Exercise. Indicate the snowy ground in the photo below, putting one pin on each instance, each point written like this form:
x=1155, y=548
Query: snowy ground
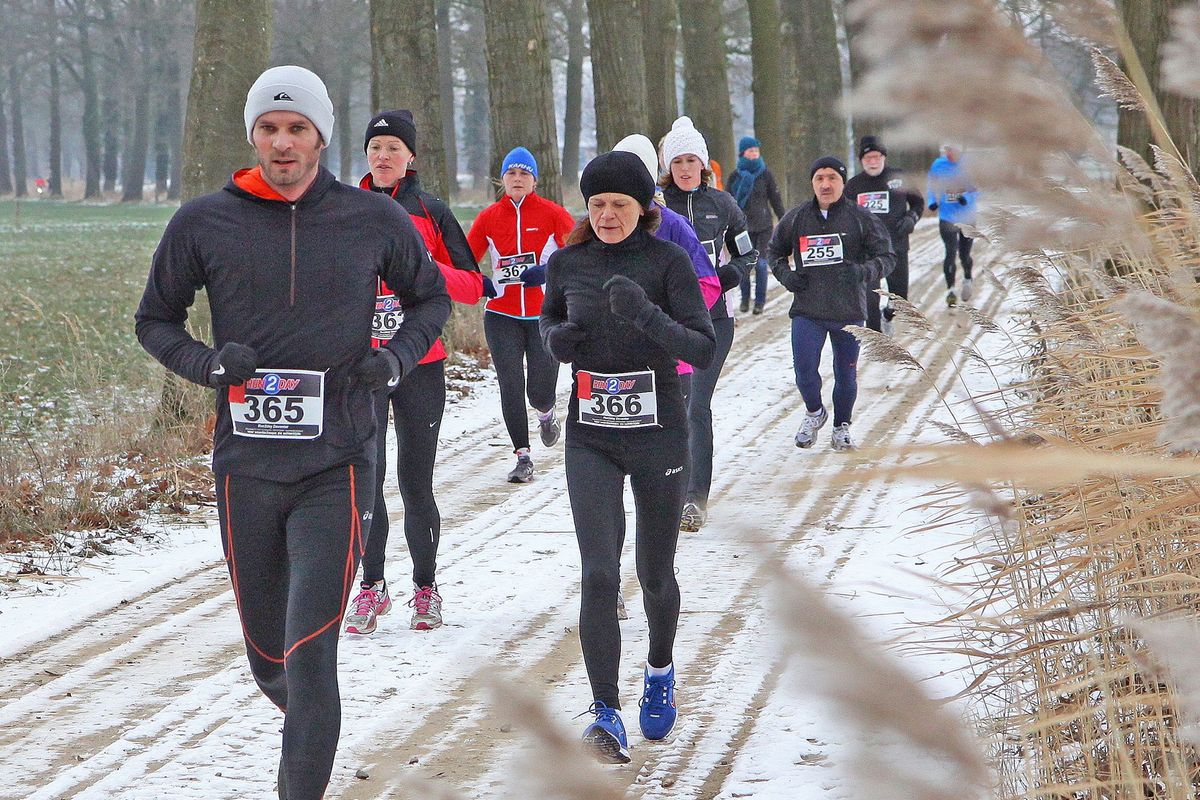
x=128, y=678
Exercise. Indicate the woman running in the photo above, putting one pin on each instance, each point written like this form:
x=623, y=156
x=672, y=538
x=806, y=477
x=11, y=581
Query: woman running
x=622, y=307
x=419, y=400
x=721, y=225
x=520, y=231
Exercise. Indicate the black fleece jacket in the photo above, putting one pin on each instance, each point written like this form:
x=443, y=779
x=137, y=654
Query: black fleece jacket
x=676, y=326
x=296, y=282
x=890, y=199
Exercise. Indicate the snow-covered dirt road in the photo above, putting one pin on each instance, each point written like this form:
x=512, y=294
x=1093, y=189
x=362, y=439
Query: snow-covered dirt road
x=129, y=679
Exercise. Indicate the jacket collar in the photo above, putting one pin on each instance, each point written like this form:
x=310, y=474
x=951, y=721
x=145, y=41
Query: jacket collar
x=251, y=185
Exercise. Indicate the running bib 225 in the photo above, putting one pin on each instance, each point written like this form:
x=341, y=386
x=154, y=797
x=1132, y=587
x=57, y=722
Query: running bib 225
x=624, y=400
x=508, y=269
x=875, y=202
x=279, y=404
x=388, y=316
x=821, y=251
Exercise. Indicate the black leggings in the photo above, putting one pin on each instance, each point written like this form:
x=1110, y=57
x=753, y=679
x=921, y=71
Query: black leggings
x=292, y=550
x=596, y=465
x=897, y=283
x=417, y=405
x=956, y=242
x=700, y=430
x=516, y=345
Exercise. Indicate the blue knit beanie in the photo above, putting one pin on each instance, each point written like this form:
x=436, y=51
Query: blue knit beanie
x=521, y=158
x=746, y=142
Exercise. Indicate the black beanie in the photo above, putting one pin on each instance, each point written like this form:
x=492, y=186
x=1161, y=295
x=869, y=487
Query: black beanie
x=832, y=162
x=869, y=143
x=393, y=123
x=617, y=171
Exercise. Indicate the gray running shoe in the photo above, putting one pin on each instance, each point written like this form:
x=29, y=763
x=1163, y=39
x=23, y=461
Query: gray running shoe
x=967, y=287
x=841, y=437
x=550, y=429
x=621, y=612
x=813, y=422
x=951, y=299
x=694, y=516
x=523, y=471
x=427, y=608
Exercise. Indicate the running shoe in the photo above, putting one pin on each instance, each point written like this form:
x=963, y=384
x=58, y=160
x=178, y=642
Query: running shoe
x=550, y=429
x=605, y=736
x=621, y=612
x=887, y=327
x=523, y=471
x=745, y=306
x=813, y=422
x=426, y=604
x=951, y=299
x=694, y=516
x=658, y=712
x=372, y=602
x=758, y=310
x=967, y=286
x=841, y=437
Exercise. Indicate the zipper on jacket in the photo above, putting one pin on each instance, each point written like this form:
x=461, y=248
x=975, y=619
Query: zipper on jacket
x=521, y=288
x=292, y=300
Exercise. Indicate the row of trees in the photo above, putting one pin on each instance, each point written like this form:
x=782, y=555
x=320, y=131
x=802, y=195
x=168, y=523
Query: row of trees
x=107, y=79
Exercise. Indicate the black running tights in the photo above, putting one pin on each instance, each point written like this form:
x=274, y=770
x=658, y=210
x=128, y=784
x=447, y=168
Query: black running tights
x=956, y=242
x=897, y=283
x=700, y=425
x=516, y=345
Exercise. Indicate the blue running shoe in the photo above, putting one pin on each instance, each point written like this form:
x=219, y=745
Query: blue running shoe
x=605, y=737
x=658, y=706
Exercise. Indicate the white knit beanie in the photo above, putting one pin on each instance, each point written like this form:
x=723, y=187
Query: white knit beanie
x=290, y=88
x=684, y=138
x=643, y=148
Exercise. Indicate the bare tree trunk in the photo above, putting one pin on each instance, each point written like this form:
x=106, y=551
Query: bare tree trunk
x=85, y=78
x=20, y=175
x=706, y=86
x=859, y=126
x=1149, y=24
x=618, y=70
x=345, y=131
x=233, y=40
x=660, y=27
x=404, y=74
x=446, y=88
x=134, y=174
x=573, y=113
x=6, y=183
x=814, y=85
x=55, y=99
x=767, y=83
x=520, y=87
x=111, y=117
x=476, y=133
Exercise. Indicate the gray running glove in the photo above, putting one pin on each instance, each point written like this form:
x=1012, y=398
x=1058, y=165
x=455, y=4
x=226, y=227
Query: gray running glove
x=378, y=369
x=235, y=364
x=564, y=339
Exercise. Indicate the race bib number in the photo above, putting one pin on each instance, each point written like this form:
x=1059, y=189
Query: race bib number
x=953, y=197
x=711, y=248
x=821, y=251
x=508, y=269
x=626, y=400
x=875, y=202
x=279, y=404
x=388, y=316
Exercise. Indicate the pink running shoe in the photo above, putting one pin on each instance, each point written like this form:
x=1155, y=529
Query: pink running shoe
x=427, y=608
x=372, y=602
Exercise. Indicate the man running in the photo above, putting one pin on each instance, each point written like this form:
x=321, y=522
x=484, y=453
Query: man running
x=880, y=189
x=290, y=259
x=953, y=196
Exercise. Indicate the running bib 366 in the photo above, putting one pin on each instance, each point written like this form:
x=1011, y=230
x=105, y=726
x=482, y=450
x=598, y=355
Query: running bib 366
x=875, y=202
x=388, y=316
x=279, y=404
x=508, y=269
x=821, y=251
x=624, y=400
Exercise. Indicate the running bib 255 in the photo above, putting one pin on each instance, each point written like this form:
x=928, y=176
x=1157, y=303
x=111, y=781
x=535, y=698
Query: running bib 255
x=279, y=404
x=821, y=251
x=875, y=202
x=624, y=400
x=388, y=316
x=508, y=269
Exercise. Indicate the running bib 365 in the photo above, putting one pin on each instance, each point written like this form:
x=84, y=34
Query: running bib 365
x=624, y=400
x=388, y=316
x=875, y=202
x=279, y=404
x=821, y=251
x=508, y=269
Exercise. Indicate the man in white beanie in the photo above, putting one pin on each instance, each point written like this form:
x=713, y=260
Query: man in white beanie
x=290, y=259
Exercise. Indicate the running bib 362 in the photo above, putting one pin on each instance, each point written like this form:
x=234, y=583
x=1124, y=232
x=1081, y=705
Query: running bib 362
x=875, y=202
x=508, y=269
x=388, y=316
x=279, y=404
x=624, y=400
x=821, y=251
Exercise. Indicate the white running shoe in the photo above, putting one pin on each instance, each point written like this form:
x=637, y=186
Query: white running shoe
x=813, y=422
x=695, y=514
x=426, y=604
x=841, y=437
x=372, y=602
x=967, y=287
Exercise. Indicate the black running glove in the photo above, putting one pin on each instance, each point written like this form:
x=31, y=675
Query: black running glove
x=377, y=370
x=962, y=200
x=907, y=223
x=534, y=276
x=564, y=339
x=794, y=280
x=235, y=364
x=933, y=206
x=626, y=298
x=729, y=276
